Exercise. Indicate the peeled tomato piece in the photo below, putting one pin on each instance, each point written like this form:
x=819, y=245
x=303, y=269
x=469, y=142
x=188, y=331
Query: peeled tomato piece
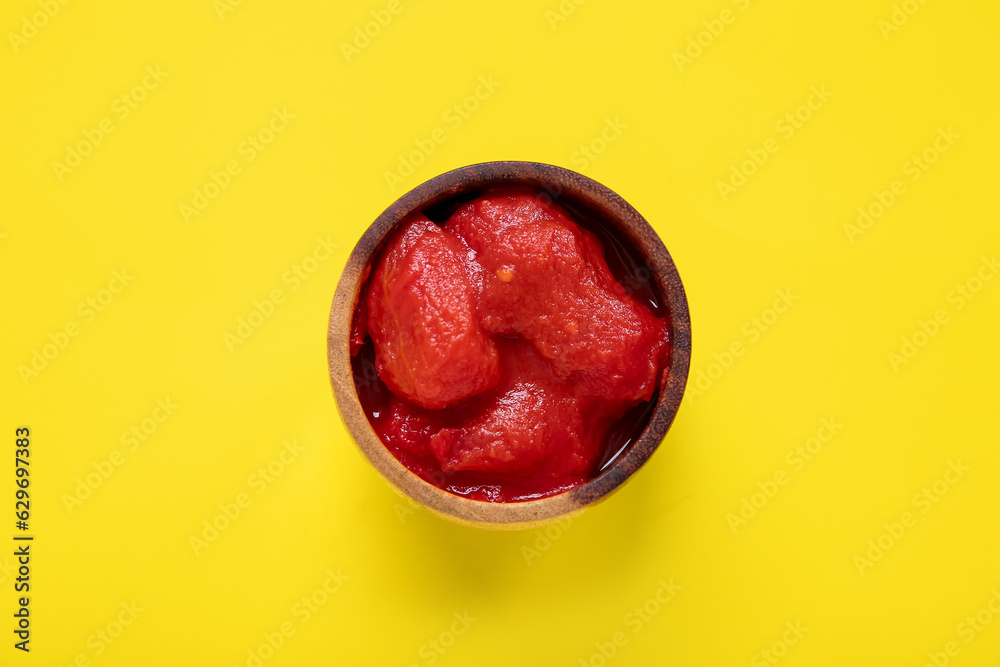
x=429, y=345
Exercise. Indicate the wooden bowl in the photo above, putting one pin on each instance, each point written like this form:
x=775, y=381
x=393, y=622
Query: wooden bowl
x=566, y=188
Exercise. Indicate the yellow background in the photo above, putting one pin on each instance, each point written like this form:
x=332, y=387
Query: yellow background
x=536, y=601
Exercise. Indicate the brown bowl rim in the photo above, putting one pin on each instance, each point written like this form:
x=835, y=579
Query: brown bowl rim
x=556, y=181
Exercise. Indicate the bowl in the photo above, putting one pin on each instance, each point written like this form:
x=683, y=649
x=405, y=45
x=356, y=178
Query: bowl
x=580, y=196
